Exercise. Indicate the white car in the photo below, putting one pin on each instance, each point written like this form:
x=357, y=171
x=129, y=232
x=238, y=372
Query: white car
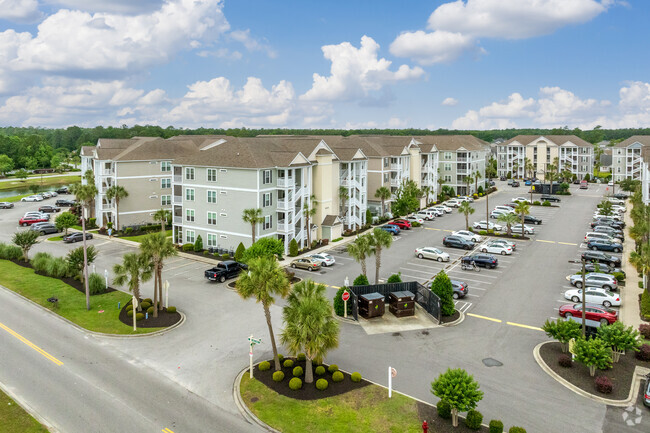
x=46, y=194
x=484, y=225
x=504, y=209
x=443, y=208
x=431, y=253
x=325, y=259
x=616, y=201
x=414, y=219
x=610, y=183
x=516, y=228
x=497, y=213
x=614, y=216
x=516, y=199
x=468, y=236
x=37, y=214
x=32, y=198
x=496, y=248
x=618, y=208
x=466, y=198
x=426, y=215
x=594, y=295
x=505, y=242
x=437, y=212
x=453, y=202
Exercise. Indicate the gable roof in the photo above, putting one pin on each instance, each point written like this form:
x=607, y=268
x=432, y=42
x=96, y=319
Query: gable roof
x=644, y=140
x=558, y=140
x=331, y=220
x=430, y=143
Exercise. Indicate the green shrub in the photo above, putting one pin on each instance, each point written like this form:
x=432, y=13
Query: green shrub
x=337, y=239
x=129, y=307
x=337, y=376
x=480, y=189
x=41, y=261
x=149, y=300
x=546, y=203
x=483, y=232
x=188, y=247
x=58, y=268
x=297, y=371
x=198, y=245
x=150, y=310
x=514, y=428
x=288, y=363
x=645, y=303
x=206, y=252
x=171, y=309
x=361, y=280
x=536, y=203
x=128, y=230
x=139, y=316
x=265, y=365
x=92, y=223
x=620, y=276
x=301, y=357
x=145, y=304
x=320, y=370
x=332, y=368
x=496, y=426
x=96, y=284
x=280, y=357
x=129, y=313
x=355, y=377
x=416, y=224
x=295, y=384
x=640, y=284
x=240, y=251
x=322, y=384
x=278, y=376
x=225, y=257
x=473, y=419
x=442, y=287
x=293, y=248
x=11, y=252
x=339, y=304
x=444, y=410
x=395, y=278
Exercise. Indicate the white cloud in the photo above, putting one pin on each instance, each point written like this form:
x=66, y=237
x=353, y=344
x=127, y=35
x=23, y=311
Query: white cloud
x=251, y=44
x=559, y=107
x=516, y=106
x=450, y=102
x=636, y=96
x=20, y=11
x=222, y=53
x=430, y=48
x=114, y=6
x=356, y=73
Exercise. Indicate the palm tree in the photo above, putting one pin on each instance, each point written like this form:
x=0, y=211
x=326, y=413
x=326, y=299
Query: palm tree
x=344, y=195
x=641, y=261
x=360, y=250
x=135, y=268
x=252, y=216
x=264, y=280
x=466, y=209
x=309, y=325
x=157, y=247
x=85, y=194
x=117, y=192
x=523, y=209
x=162, y=215
x=89, y=177
x=550, y=175
x=527, y=165
x=508, y=219
x=309, y=211
x=383, y=194
x=477, y=176
x=379, y=239
x=468, y=179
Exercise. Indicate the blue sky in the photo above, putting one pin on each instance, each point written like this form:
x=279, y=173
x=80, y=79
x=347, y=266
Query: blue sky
x=466, y=64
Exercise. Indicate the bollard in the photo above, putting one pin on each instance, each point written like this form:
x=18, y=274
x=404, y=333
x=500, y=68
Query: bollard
x=425, y=426
x=118, y=304
x=146, y=316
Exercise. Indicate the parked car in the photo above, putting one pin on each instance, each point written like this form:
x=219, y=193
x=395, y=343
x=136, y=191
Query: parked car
x=528, y=182
x=516, y=228
x=503, y=178
x=614, y=216
x=516, y=199
x=402, y=224
x=510, y=181
x=426, y=215
x=437, y=212
x=224, y=270
x=646, y=392
x=495, y=248
x=510, y=205
x=65, y=203
x=595, y=279
x=453, y=203
x=616, y=201
x=548, y=197
x=484, y=225
x=32, y=198
x=324, y=259
x=515, y=183
x=37, y=214
x=508, y=209
x=606, y=221
x=29, y=220
x=466, y=198
x=443, y=208
x=414, y=219
x=619, y=209
x=482, y=260
x=49, y=209
x=6, y=205
x=391, y=228
x=467, y=235
x=63, y=190
x=529, y=219
x=497, y=213
x=603, y=245
x=54, y=193
x=615, y=233
x=505, y=242
x=593, y=312
x=594, y=295
x=620, y=196
x=491, y=183
x=602, y=268
x=44, y=228
x=431, y=253
x=76, y=237
x=457, y=242
x=601, y=257
x=584, y=184
x=460, y=289
x=306, y=263
x=599, y=236
x=46, y=194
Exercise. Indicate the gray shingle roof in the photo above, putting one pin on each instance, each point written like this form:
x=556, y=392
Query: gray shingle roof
x=451, y=143
x=556, y=139
x=643, y=139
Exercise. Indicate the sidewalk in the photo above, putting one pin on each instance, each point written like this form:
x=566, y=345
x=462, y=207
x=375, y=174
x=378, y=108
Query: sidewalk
x=286, y=261
x=629, y=312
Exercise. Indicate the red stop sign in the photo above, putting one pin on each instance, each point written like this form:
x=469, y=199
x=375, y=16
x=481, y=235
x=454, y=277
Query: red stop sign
x=346, y=295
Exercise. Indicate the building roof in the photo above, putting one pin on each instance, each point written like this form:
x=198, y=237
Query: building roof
x=644, y=140
x=451, y=143
x=331, y=220
x=157, y=149
x=558, y=140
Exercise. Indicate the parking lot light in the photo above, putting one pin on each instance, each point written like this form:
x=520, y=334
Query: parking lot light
x=584, y=290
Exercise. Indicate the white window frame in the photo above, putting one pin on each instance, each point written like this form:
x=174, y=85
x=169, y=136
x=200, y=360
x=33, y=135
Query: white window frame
x=165, y=200
x=447, y=166
x=267, y=199
x=190, y=215
x=190, y=234
x=212, y=173
x=165, y=183
x=448, y=156
x=189, y=173
x=190, y=192
x=268, y=222
x=447, y=177
x=165, y=166
x=214, y=196
x=212, y=216
x=267, y=177
x=212, y=240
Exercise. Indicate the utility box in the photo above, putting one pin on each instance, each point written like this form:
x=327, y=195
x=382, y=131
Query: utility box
x=371, y=305
x=402, y=304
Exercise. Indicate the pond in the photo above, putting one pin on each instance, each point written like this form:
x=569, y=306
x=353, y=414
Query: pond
x=26, y=190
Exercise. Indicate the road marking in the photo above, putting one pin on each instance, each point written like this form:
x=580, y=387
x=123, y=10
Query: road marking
x=32, y=345
x=166, y=430
x=475, y=296
x=431, y=228
x=549, y=242
x=524, y=326
x=176, y=267
x=483, y=317
x=567, y=243
x=103, y=243
x=335, y=287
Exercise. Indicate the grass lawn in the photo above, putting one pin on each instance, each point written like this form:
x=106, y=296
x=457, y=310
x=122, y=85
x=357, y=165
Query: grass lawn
x=15, y=198
x=47, y=181
x=139, y=238
x=14, y=419
x=367, y=409
x=72, y=303
x=55, y=238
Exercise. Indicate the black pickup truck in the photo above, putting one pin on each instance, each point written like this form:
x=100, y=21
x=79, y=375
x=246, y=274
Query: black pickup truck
x=225, y=270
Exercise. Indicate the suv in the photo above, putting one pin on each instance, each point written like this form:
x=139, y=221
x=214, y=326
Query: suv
x=48, y=208
x=29, y=220
x=63, y=190
x=515, y=183
x=457, y=242
x=426, y=215
x=529, y=219
x=604, y=245
x=65, y=203
x=608, y=222
x=482, y=260
x=460, y=289
x=453, y=202
x=547, y=197
x=595, y=279
x=402, y=224
x=391, y=228
x=224, y=270
x=601, y=257
x=615, y=233
x=44, y=228
x=504, y=208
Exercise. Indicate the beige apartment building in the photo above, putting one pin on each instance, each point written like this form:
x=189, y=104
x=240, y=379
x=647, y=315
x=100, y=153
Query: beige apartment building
x=627, y=158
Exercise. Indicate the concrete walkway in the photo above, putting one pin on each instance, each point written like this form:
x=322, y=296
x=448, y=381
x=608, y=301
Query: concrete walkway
x=629, y=312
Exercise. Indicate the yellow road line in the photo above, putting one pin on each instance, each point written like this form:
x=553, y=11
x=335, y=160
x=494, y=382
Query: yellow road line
x=567, y=243
x=549, y=242
x=483, y=317
x=450, y=231
x=524, y=326
x=32, y=345
x=166, y=430
x=431, y=228
x=335, y=287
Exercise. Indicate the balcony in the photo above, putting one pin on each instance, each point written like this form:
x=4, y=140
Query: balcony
x=345, y=182
x=283, y=227
x=395, y=166
x=285, y=182
x=178, y=199
x=106, y=206
x=108, y=172
x=284, y=205
x=178, y=219
x=394, y=182
x=178, y=178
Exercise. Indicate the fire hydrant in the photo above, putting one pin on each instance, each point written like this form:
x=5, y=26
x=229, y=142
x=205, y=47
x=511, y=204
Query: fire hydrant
x=425, y=426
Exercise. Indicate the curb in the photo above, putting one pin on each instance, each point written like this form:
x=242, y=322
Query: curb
x=455, y=322
x=639, y=373
x=27, y=408
x=344, y=320
x=98, y=334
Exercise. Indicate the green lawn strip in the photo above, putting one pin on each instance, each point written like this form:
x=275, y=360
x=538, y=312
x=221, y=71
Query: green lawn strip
x=72, y=303
x=367, y=409
x=14, y=198
x=139, y=238
x=14, y=419
x=51, y=181
x=55, y=238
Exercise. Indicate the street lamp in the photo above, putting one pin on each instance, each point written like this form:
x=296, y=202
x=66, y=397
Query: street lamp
x=583, y=289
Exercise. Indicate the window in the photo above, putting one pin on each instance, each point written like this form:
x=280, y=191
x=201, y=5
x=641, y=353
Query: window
x=189, y=194
x=189, y=173
x=267, y=177
x=268, y=222
x=212, y=218
x=165, y=166
x=212, y=196
x=212, y=240
x=189, y=215
x=447, y=178
x=386, y=162
x=386, y=177
x=447, y=167
x=267, y=199
x=189, y=236
x=165, y=200
x=212, y=174
x=448, y=155
x=165, y=183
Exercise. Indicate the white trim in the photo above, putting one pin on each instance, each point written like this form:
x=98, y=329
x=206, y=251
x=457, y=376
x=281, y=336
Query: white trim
x=137, y=211
x=138, y=177
x=217, y=231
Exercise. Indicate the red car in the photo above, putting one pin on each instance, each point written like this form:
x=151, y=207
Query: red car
x=402, y=224
x=29, y=220
x=597, y=313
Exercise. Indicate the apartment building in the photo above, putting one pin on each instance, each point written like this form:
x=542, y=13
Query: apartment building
x=627, y=157
x=573, y=154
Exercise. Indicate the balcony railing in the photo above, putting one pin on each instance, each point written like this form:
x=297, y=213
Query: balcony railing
x=345, y=182
x=395, y=166
x=107, y=206
x=394, y=182
x=178, y=199
x=284, y=205
x=283, y=227
x=284, y=182
x=178, y=219
x=178, y=178
x=108, y=172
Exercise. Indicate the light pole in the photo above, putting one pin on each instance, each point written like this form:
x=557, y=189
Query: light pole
x=583, y=289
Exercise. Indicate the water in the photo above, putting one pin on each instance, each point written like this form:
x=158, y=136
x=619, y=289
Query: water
x=26, y=190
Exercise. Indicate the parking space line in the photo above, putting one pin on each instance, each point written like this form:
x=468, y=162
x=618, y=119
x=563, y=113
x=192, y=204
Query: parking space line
x=484, y=317
x=472, y=295
x=469, y=279
x=432, y=228
x=567, y=243
x=524, y=326
x=181, y=266
x=417, y=270
x=540, y=240
x=418, y=279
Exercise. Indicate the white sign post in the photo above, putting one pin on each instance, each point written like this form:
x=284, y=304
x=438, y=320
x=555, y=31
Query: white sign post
x=252, y=341
x=135, y=311
x=106, y=277
x=391, y=374
x=166, y=286
x=345, y=296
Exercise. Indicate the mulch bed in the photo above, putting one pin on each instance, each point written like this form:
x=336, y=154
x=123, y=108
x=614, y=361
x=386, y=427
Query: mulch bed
x=621, y=374
x=308, y=390
x=69, y=281
x=163, y=320
x=449, y=319
x=429, y=414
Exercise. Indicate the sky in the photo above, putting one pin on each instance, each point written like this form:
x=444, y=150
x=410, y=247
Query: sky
x=465, y=64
